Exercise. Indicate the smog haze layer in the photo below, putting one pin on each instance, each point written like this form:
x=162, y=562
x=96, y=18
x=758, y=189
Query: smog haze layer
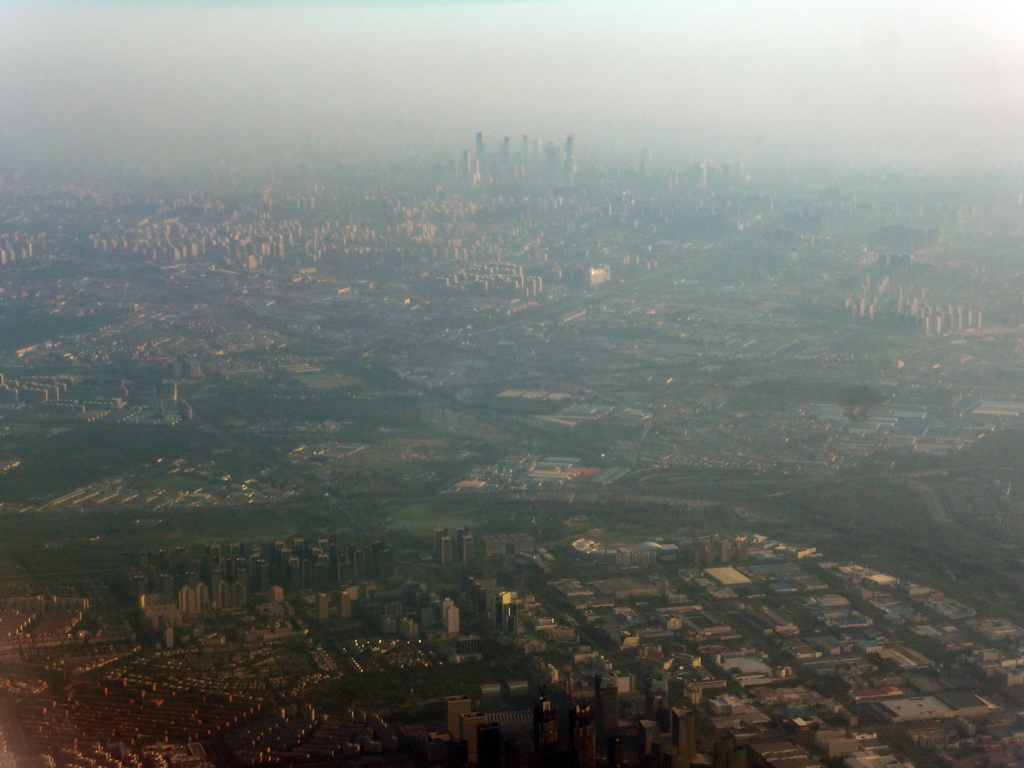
x=933, y=83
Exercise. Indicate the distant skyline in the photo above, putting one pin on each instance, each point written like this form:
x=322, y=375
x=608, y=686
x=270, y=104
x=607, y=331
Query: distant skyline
x=920, y=82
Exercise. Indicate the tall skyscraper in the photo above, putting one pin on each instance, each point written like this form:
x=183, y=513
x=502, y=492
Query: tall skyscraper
x=469, y=725
x=569, y=177
x=649, y=736
x=584, y=735
x=459, y=537
x=488, y=745
x=450, y=617
x=447, y=550
x=505, y=156
x=646, y=160
x=728, y=755
x=552, y=163
x=545, y=729
x=606, y=695
x=480, y=149
x=684, y=734
x=700, y=171
x=657, y=697
x=724, y=748
x=455, y=707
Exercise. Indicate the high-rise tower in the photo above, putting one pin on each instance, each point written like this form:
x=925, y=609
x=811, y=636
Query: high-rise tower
x=606, y=694
x=684, y=734
x=584, y=735
x=480, y=149
x=455, y=707
x=488, y=745
x=570, y=162
x=545, y=729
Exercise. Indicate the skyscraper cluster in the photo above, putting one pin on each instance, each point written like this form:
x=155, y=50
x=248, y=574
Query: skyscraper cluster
x=536, y=161
x=495, y=740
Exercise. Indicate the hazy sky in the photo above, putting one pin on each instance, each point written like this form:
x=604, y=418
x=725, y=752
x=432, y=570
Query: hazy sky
x=926, y=80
